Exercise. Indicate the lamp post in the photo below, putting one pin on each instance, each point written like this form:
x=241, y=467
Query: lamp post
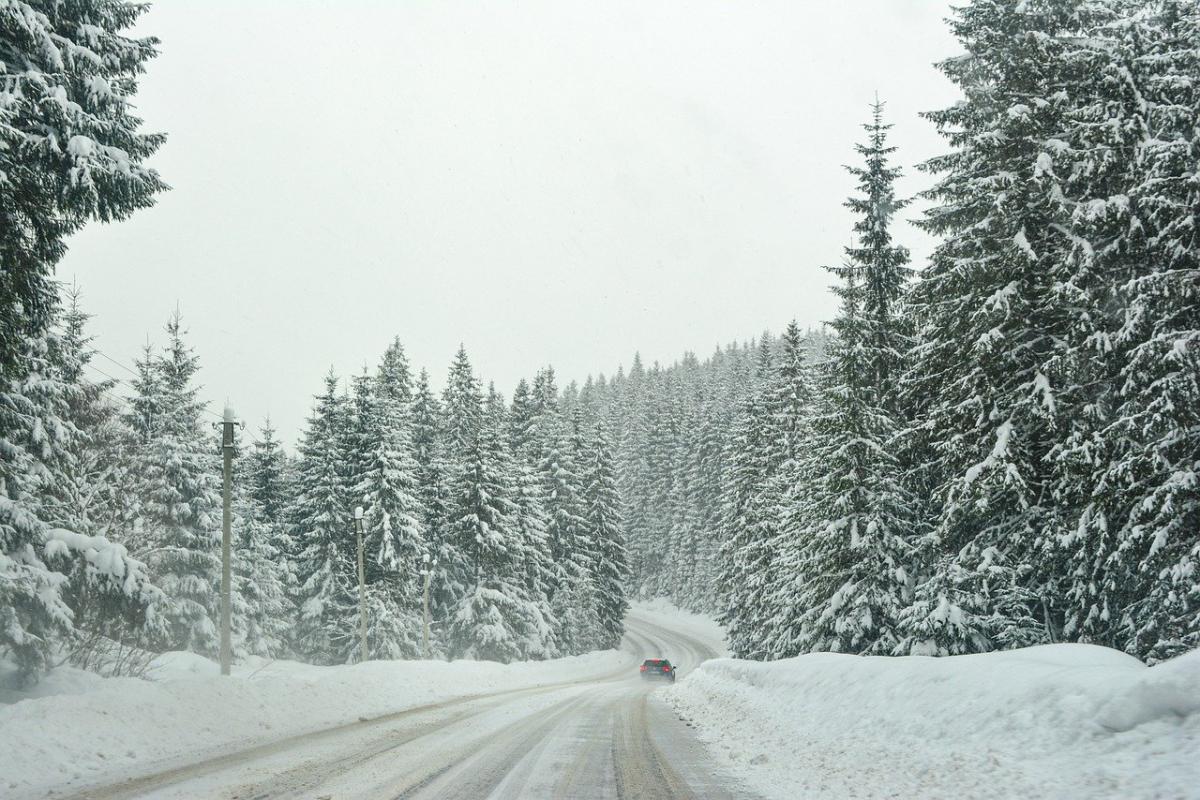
x=427, y=571
x=362, y=582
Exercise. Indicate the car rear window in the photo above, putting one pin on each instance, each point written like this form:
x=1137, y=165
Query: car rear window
x=654, y=662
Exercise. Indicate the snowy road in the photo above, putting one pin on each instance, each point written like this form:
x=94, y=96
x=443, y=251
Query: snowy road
x=604, y=737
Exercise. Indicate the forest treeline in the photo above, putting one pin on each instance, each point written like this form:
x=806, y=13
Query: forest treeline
x=997, y=448
x=512, y=509
x=1004, y=448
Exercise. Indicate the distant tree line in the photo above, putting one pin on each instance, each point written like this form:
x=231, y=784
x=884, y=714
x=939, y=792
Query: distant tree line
x=1004, y=452
x=514, y=509
x=1001, y=449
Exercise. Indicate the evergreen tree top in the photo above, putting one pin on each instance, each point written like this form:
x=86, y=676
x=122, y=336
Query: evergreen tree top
x=394, y=375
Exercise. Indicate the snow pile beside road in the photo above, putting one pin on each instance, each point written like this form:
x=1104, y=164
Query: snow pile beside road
x=104, y=729
x=1056, y=721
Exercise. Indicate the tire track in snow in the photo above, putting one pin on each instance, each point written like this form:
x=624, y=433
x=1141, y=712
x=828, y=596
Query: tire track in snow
x=605, y=737
x=140, y=786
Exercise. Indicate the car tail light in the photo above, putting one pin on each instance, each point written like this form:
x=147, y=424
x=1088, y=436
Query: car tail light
x=643, y=667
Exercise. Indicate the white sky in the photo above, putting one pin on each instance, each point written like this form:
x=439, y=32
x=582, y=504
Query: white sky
x=547, y=182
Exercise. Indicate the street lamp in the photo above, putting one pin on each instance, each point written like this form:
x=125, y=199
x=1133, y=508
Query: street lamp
x=362, y=582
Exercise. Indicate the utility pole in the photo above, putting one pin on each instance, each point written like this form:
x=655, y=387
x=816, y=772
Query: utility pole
x=227, y=450
x=362, y=582
x=427, y=571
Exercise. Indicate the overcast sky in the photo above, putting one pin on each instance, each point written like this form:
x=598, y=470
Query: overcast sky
x=546, y=182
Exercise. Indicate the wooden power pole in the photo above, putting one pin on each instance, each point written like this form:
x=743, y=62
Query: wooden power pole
x=227, y=451
x=362, y=582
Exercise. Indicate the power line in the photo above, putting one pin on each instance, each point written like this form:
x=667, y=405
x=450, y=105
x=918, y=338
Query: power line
x=113, y=360
x=129, y=404
x=204, y=409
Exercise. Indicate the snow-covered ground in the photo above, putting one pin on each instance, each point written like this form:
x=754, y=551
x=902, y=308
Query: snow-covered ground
x=96, y=728
x=696, y=626
x=1059, y=721
x=1055, y=721
x=75, y=729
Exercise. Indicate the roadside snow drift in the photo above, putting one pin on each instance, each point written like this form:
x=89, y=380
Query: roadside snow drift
x=104, y=729
x=1054, y=721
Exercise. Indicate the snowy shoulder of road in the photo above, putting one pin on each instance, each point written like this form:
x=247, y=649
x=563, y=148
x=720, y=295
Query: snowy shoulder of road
x=1068, y=720
x=75, y=728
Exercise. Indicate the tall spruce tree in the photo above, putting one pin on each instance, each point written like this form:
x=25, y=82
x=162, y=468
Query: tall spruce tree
x=604, y=528
x=432, y=474
x=61, y=578
x=380, y=478
x=70, y=149
x=263, y=580
x=537, y=565
x=846, y=566
x=460, y=424
x=177, y=478
x=1128, y=471
x=747, y=551
x=993, y=325
x=492, y=616
x=321, y=526
x=1161, y=386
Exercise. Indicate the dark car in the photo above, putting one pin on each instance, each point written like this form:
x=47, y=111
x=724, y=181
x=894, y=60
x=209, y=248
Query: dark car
x=658, y=668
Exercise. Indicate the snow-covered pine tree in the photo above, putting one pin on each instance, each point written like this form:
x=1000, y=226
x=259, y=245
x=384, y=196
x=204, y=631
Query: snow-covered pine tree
x=707, y=483
x=322, y=528
x=993, y=322
x=178, y=480
x=54, y=578
x=143, y=416
x=492, y=618
x=634, y=477
x=792, y=392
x=266, y=476
x=1095, y=162
x=1132, y=471
x=561, y=496
x=462, y=408
x=562, y=502
x=395, y=376
x=784, y=495
x=263, y=580
x=530, y=517
x=70, y=152
x=460, y=425
x=86, y=490
x=269, y=491
x=845, y=577
x=383, y=481
x=604, y=528
x=747, y=551
x=1161, y=391
x=70, y=148
x=432, y=473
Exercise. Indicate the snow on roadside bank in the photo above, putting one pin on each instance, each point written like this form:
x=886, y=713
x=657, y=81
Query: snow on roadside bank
x=1055, y=721
x=107, y=729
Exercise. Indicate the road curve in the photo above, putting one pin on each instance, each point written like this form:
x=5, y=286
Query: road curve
x=605, y=737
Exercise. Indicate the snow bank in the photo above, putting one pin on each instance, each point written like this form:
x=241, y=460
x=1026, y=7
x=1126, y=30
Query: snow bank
x=1055, y=721
x=100, y=729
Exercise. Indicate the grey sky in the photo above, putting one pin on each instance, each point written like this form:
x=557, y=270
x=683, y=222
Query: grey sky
x=547, y=182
